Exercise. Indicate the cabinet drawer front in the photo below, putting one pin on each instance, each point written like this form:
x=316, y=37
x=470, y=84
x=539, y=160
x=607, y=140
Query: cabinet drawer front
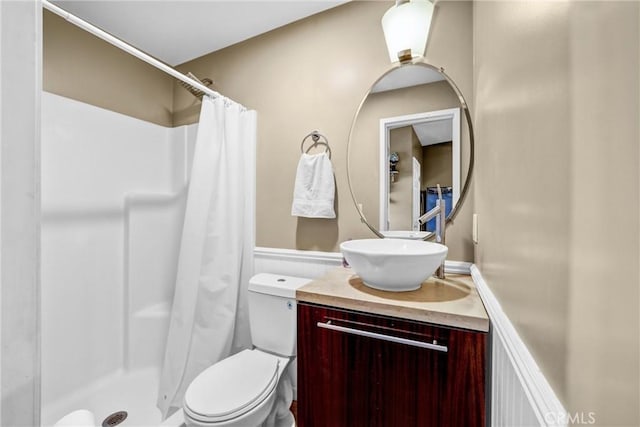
x=357, y=369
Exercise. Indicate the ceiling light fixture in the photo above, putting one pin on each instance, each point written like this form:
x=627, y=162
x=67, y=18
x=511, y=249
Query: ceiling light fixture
x=406, y=28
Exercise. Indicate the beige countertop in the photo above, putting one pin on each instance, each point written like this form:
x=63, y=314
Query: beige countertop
x=453, y=301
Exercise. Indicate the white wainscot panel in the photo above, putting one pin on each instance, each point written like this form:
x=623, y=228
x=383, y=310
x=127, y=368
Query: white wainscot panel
x=291, y=262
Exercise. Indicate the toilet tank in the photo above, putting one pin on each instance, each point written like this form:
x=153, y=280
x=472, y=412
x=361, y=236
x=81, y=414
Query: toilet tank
x=272, y=312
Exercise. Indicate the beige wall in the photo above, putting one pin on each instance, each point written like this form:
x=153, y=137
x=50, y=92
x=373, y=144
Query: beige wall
x=437, y=165
x=401, y=190
x=557, y=190
x=312, y=75
x=80, y=66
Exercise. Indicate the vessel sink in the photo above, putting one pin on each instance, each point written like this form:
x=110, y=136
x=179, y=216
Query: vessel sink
x=393, y=264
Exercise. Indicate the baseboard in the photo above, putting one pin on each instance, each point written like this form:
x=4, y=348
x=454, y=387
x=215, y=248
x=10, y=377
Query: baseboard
x=521, y=395
x=457, y=267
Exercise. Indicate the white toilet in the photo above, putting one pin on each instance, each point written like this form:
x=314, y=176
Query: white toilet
x=240, y=390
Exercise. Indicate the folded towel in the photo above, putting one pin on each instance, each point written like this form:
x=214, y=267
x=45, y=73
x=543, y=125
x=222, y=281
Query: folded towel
x=314, y=189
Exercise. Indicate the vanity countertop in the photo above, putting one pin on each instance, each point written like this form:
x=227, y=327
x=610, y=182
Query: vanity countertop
x=453, y=301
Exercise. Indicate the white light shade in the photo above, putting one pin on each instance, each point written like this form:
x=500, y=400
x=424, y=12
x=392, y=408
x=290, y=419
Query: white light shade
x=406, y=27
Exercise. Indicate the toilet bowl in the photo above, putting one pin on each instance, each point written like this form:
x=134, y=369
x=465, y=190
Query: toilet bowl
x=242, y=390
x=237, y=391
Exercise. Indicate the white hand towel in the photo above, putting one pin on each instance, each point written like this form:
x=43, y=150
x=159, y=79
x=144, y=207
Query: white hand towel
x=314, y=189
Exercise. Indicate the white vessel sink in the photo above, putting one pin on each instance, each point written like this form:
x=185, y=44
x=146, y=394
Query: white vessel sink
x=393, y=264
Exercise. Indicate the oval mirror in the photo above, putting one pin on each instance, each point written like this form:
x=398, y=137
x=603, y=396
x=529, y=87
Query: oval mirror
x=411, y=133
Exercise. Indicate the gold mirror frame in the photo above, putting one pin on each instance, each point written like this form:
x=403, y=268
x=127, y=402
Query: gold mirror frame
x=463, y=104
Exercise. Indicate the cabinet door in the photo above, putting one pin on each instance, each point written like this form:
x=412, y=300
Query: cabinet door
x=354, y=371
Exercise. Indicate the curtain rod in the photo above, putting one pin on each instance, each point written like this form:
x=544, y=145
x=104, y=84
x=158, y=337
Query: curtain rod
x=127, y=47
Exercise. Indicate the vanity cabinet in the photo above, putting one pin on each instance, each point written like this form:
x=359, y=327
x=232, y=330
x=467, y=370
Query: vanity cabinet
x=359, y=369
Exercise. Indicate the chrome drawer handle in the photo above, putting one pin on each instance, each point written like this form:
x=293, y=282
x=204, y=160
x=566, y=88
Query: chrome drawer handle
x=414, y=343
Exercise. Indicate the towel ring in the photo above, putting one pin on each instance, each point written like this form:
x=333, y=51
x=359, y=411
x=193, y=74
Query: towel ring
x=315, y=136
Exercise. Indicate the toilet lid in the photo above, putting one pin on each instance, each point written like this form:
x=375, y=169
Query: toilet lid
x=232, y=386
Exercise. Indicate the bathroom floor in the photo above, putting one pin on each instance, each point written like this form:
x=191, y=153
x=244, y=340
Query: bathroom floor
x=176, y=420
x=294, y=410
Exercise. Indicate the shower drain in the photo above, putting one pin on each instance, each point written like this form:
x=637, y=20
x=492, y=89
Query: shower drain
x=115, y=419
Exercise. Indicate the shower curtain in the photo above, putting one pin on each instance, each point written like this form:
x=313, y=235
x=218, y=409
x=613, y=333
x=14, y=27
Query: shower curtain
x=209, y=317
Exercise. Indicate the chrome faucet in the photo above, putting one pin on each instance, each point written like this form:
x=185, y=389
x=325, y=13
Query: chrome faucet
x=439, y=213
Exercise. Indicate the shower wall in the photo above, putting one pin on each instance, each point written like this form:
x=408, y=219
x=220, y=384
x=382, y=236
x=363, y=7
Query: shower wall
x=113, y=190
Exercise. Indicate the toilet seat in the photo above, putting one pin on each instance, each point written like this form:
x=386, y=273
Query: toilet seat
x=232, y=387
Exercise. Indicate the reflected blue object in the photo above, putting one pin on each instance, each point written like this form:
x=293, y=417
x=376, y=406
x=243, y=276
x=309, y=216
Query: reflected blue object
x=432, y=197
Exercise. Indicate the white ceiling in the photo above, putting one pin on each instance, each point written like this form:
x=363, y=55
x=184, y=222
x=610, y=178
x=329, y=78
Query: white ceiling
x=176, y=31
x=407, y=76
x=434, y=131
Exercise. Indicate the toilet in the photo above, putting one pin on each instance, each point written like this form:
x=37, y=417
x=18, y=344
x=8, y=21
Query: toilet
x=240, y=390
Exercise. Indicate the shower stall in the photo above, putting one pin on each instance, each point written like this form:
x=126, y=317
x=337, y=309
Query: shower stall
x=113, y=200
x=117, y=195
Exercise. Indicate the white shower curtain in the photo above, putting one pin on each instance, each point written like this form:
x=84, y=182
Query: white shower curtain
x=209, y=317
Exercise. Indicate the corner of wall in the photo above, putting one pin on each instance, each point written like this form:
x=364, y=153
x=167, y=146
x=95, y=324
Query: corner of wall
x=20, y=77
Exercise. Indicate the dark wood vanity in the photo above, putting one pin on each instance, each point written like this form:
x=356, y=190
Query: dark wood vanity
x=363, y=369
x=372, y=358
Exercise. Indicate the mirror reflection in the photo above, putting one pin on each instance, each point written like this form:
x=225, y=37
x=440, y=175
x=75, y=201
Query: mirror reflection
x=419, y=153
x=409, y=136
